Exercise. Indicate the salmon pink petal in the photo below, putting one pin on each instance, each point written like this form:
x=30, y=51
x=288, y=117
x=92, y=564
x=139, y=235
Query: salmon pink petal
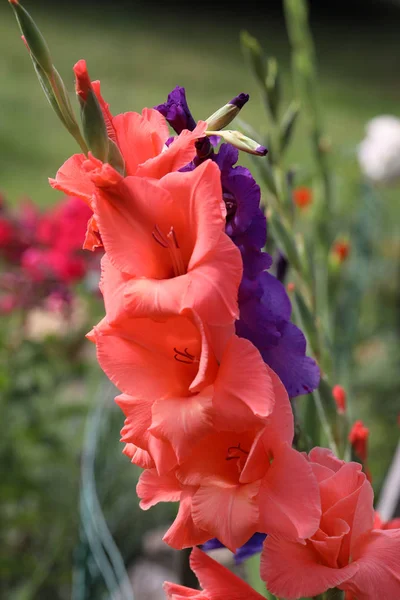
x=329, y=546
x=210, y=289
x=127, y=217
x=218, y=581
x=138, y=419
x=136, y=431
x=378, y=575
x=342, y=483
x=289, y=498
x=214, y=282
x=138, y=139
x=227, y=512
x=162, y=453
x=280, y=423
x=243, y=388
x=356, y=509
x=183, y=533
x=326, y=458
x=198, y=194
x=105, y=108
x=112, y=286
x=153, y=488
x=141, y=358
x=139, y=457
x=157, y=122
x=74, y=180
x=292, y=570
x=208, y=464
x=178, y=154
x=183, y=421
x=174, y=591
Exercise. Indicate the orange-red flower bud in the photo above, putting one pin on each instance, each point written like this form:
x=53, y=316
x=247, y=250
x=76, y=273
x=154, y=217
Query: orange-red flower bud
x=358, y=437
x=302, y=197
x=82, y=80
x=291, y=287
x=341, y=250
x=339, y=396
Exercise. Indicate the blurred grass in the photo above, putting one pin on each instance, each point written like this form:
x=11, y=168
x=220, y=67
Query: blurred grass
x=140, y=56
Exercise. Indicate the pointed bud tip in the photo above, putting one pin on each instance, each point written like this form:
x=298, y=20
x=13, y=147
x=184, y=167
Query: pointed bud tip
x=23, y=38
x=339, y=395
x=82, y=79
x=13, y=2
x=262, y=151
x=240, y=100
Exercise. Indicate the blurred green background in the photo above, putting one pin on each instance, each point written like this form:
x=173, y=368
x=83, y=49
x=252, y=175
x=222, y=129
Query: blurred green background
x=140, y=54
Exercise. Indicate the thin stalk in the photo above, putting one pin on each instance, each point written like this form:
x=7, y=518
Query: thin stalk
x=324, y=421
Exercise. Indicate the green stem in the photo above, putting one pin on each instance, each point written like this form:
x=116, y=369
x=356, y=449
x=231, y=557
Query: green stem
x=324, y=421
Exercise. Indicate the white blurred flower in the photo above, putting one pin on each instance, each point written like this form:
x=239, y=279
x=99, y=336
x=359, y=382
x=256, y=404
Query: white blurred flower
x=379, y=152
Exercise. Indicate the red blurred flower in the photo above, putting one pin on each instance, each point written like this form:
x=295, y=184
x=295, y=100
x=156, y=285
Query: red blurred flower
x=339, y=396
x=358, y=437
x=302, y=197
x=341, y=250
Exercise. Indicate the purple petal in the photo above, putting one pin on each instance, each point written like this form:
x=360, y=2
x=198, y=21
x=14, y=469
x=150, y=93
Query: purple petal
x=176, y=110
x=240, y=100
x=253, y=546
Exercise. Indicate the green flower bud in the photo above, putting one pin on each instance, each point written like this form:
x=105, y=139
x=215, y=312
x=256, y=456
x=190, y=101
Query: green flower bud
x=240, y=141
x=225, y=115
x=34, y=39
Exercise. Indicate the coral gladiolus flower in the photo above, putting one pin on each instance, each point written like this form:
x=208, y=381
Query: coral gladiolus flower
x=174, y=388
x=345, y=552
x=167, y=238
x=236, y=483
x=217, y=582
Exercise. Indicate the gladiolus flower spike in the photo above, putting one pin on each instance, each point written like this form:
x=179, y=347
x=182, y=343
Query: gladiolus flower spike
x=197, y=337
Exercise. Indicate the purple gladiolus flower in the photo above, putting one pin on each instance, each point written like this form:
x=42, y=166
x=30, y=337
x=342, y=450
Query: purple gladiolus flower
x=252, y=546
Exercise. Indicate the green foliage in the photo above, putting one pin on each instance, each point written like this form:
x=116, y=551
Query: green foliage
x=42, y=403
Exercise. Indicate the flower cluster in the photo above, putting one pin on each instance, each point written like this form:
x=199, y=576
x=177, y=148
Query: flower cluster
x=41, y=254
x=198, y=339
x=265, y=308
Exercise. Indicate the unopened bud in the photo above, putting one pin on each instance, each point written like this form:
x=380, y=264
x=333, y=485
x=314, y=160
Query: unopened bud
x=49, y=78
x=33, y=37
x=302, y=197
x=341, y=250
x=82, y=81
x=272, y=86
x=225, y=115
x=291, y=287
x=240, y=141
x=358, y=438
x=339, y=395
x=253, y=49
x=93, y=123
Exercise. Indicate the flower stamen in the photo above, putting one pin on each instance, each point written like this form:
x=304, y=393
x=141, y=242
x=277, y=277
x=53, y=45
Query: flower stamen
x=182, y=356
x=170, y=242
